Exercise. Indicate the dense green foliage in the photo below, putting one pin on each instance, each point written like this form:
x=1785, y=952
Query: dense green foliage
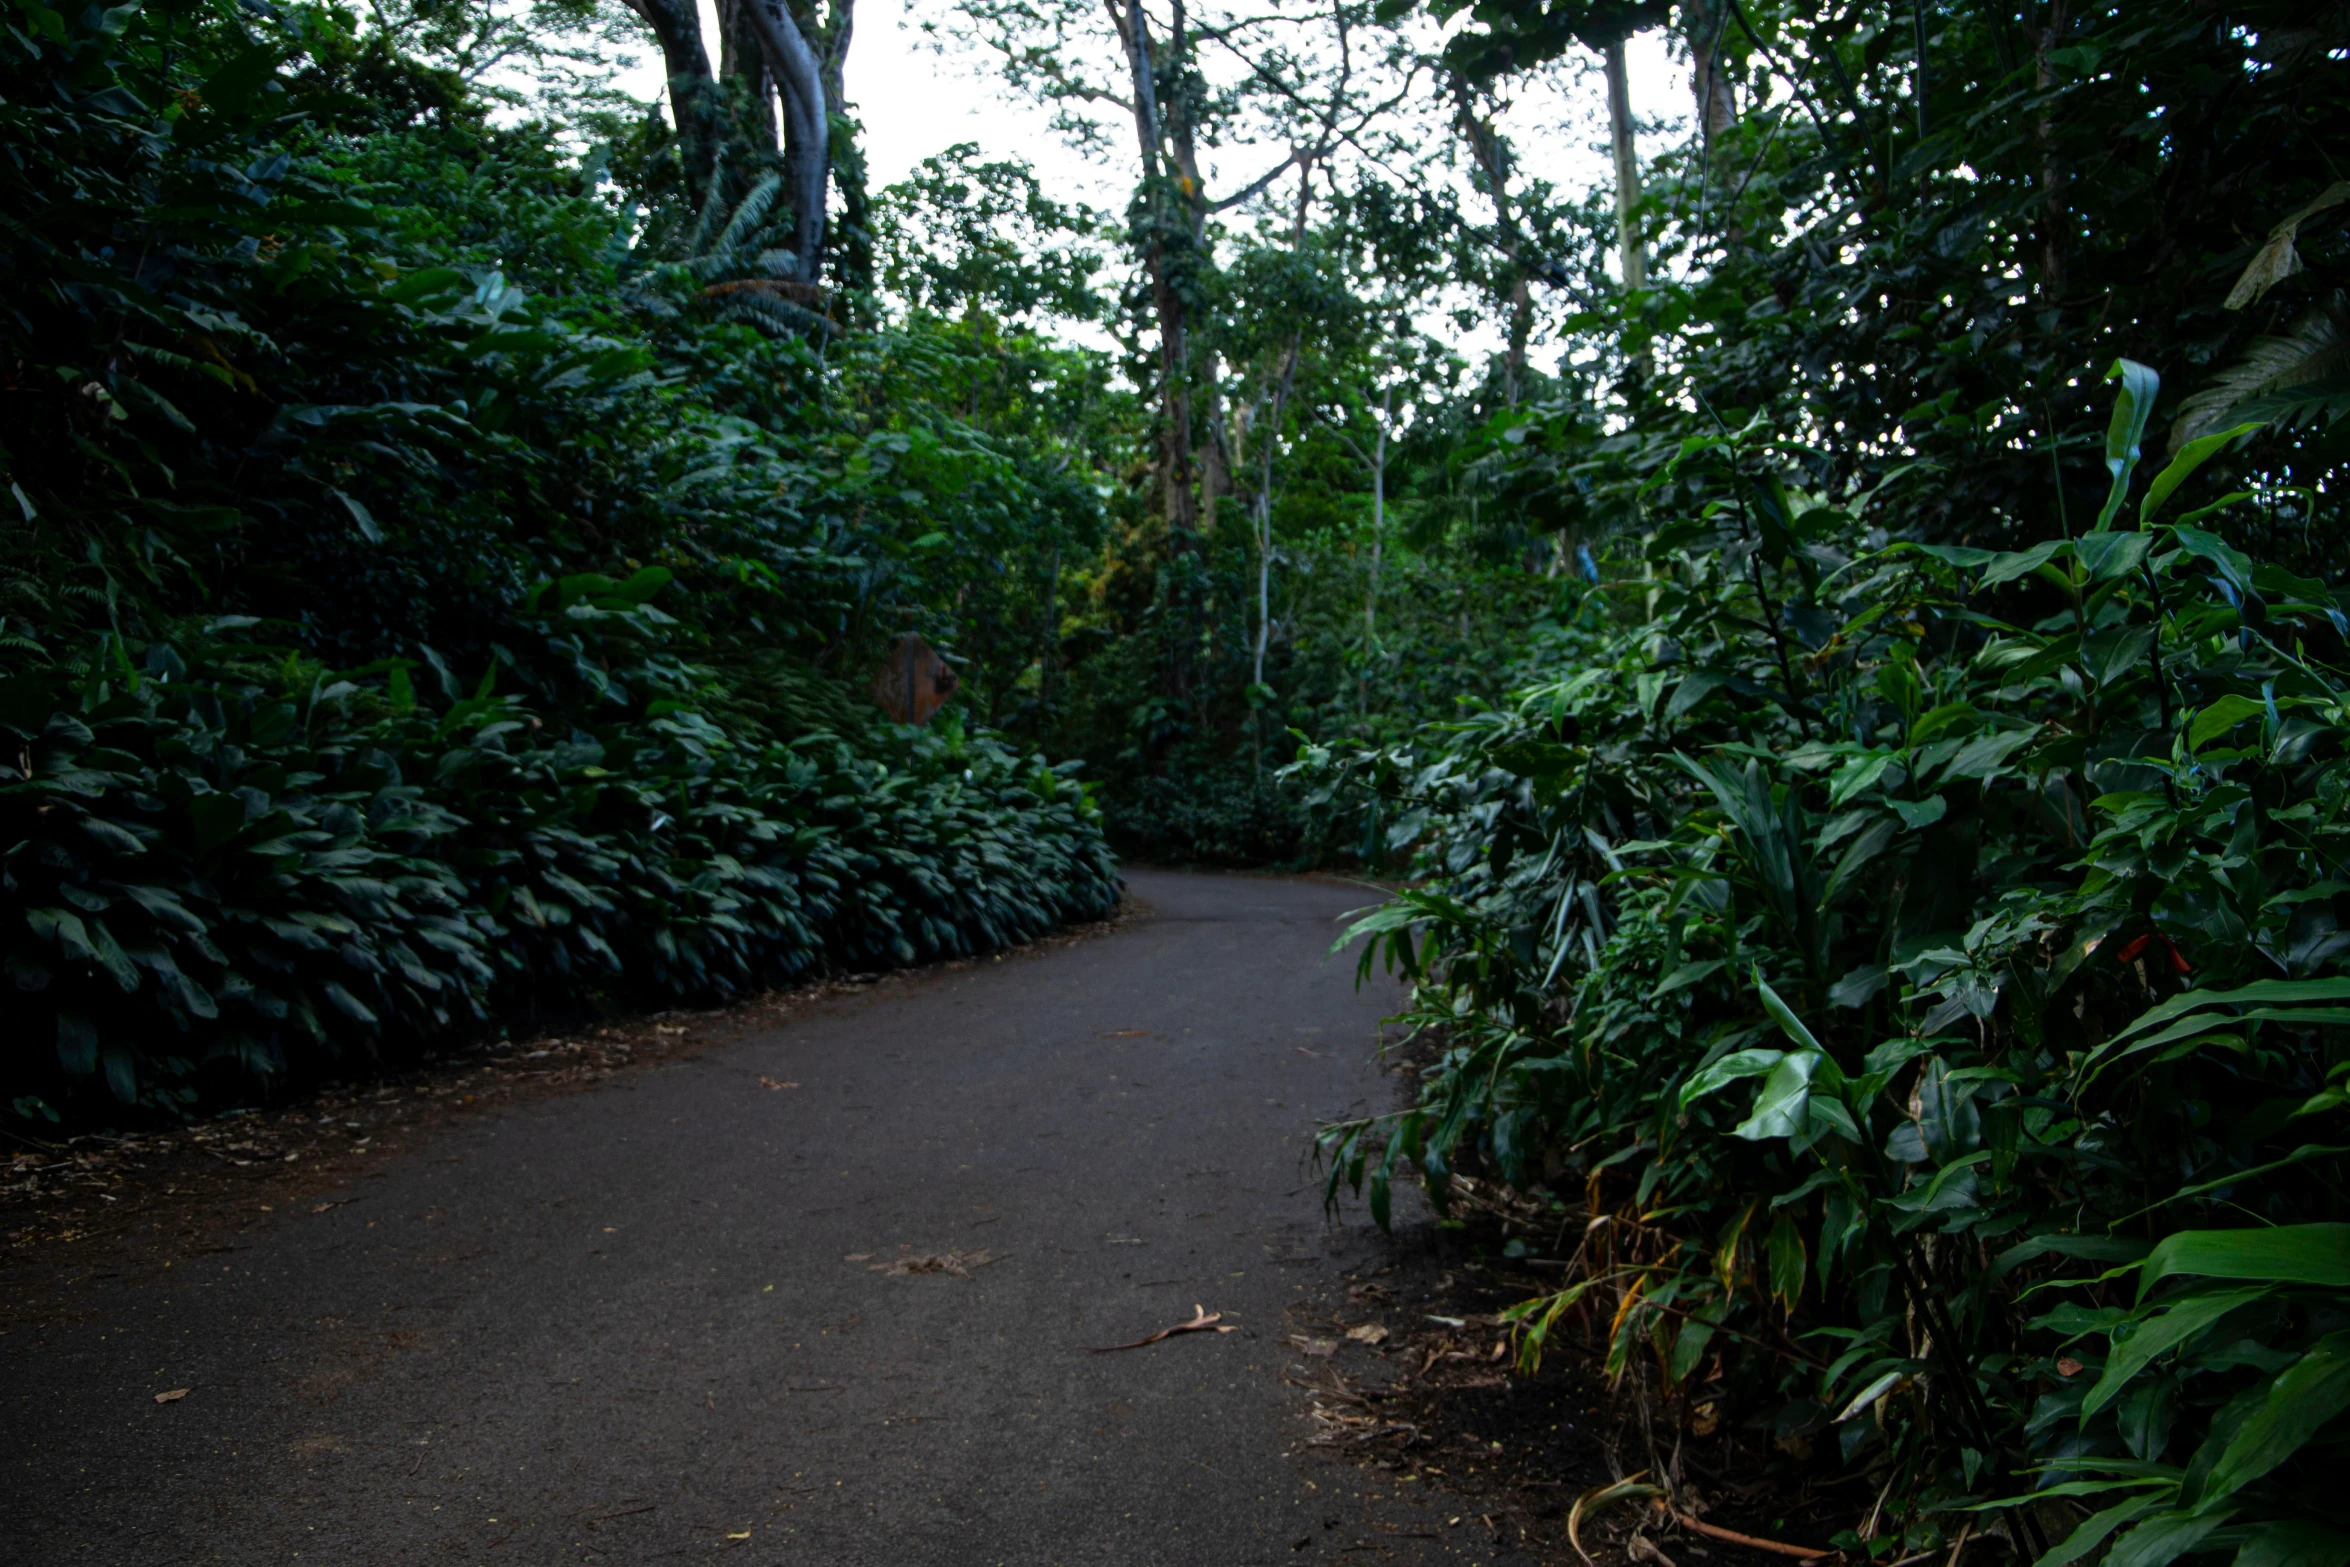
x=1899, y=925
x=1879, y=857
x=1908, y=997
x=425, y=609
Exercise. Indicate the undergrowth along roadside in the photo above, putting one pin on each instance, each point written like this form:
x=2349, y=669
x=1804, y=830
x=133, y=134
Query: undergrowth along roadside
x=1925, y=964
x=429, y=606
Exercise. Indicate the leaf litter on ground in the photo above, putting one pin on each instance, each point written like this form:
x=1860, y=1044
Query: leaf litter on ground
x=957, y=1264
x=1202, y=1321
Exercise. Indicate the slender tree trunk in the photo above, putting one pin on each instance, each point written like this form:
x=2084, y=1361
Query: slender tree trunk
x=2052, y=179
x=1485, y=145
x=1630, y=250
x=1158, y=261
x=855, y=240
x=742, y=67
x=1215, y=459
x=1378, y=545
x=1716, y=96
x=1378, y=514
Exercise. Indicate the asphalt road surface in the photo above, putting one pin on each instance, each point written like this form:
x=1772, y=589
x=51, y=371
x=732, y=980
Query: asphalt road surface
x=644, y=1322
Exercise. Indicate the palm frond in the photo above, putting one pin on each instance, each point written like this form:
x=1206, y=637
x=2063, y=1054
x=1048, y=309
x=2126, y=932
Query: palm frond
x=2315, y=348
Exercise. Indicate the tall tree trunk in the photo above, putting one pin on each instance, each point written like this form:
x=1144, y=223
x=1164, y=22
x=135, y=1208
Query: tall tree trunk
x=1215, y=481
x=1630, y=250
x=1378, y=546
x=696, y=106
x=807, y=128
x=742, y=67
x=2052, y=205
x=855, y=240
x=1493, y=162
x=1159, y=261
x=1716, y=97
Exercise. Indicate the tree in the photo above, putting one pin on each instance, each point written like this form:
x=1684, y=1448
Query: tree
x=766, y=53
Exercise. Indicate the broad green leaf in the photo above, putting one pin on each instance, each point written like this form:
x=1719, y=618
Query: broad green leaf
x=2161, y=1539
x=1784, y=1016
x=1920, y=813
x=2265, y=991
x=2125, y=434
x=2294, y=1542
x=1533, y=758
x=2312, y=1391
x=1779, y=1108
x=2109, y=655
x=1858, y=774
x=1743, y=1063
x=2094, y=1530
x=1681, y=978
x=2018, y=563
x=2110, y=555
x=2220, y=717
x=1692, y=690
x=2284, y=1254
x=2182, y=467
x=1785, y=1250
x=2165, y=1331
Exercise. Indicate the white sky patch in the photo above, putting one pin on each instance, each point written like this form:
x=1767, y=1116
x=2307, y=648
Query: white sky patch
x=915, y=100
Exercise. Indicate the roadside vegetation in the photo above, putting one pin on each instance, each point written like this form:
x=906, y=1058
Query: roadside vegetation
x=1839, y=628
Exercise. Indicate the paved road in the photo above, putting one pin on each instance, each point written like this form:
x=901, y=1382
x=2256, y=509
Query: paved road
x=623, y=1325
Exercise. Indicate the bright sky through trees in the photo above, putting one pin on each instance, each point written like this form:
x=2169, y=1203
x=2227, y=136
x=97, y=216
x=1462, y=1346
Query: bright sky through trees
x=915, y=100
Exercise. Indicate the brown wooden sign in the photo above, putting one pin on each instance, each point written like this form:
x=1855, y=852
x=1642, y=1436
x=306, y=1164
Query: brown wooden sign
x=913, y=682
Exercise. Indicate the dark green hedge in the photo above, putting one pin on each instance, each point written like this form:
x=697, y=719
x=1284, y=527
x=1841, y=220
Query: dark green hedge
x=223, y=864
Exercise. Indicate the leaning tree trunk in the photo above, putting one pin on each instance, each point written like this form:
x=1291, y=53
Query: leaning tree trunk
x=807, y=128
x=695, y=101
x=764, y=51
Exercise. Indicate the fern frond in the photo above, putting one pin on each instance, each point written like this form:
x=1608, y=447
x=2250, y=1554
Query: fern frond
x=752, y=211
x=2314, y=349
x=697, y=239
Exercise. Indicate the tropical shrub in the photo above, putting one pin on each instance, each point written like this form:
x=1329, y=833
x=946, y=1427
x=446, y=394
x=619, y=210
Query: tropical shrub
x=432, y=600
x=1925, y=966
x=227, y=862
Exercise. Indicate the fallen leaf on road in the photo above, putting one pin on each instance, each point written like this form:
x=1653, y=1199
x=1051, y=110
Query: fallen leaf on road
x=1203, y=1321
x=172, y=1397
x=746, y=1534
x=768, y=1082
x=1367, y=1333
x=1323, y=1347
x=957, y=1263
x=1126, y=1033
x=1303, y=1051
x=341, y=1202
x=858, y=1256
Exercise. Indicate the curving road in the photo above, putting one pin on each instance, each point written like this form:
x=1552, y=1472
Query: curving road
x=655, y=1321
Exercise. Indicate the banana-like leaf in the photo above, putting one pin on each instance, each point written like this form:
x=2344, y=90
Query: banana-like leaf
x=2284, y=1254
x=2125, y=433
x=2097, y=1528
x=2293, y=1542
x=2164, y=1331
x=2303, y=1399
x=2193, y=455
